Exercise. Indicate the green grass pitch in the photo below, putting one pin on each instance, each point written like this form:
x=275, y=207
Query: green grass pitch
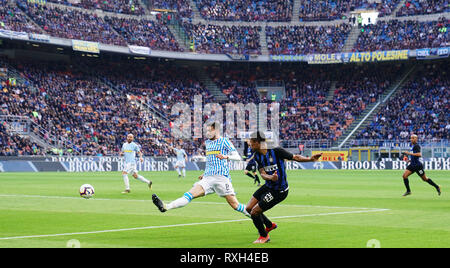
x=324, y=209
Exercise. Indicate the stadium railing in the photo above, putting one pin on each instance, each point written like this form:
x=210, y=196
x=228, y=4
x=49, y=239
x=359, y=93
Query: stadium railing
x=328, y=144
x=393, y=143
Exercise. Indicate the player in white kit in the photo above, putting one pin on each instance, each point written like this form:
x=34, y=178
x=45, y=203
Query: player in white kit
x=216, y=177
x=181, y=160
x=129, y=150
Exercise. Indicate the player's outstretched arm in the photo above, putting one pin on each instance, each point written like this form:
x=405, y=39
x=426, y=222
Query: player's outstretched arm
x=234, y=156
x=419, y=154
x=313, y=158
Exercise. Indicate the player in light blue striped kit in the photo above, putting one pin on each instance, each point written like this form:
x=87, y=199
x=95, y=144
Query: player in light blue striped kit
x=129, y=150
x=181, y=160
x=216, y=177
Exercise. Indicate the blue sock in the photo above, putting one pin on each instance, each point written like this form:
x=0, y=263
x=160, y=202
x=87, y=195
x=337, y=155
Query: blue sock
x=188, y=196
x=241, y=208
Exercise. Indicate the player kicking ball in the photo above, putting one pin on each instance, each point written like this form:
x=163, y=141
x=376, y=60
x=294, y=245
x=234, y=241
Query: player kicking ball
x=129, y=150
x=216, y=177
x=271, y=163
x=416, y=166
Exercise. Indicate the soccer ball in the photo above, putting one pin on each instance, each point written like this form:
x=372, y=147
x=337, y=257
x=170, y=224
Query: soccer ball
x=86, y=191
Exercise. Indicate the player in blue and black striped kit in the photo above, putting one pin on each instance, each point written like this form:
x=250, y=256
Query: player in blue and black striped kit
x=271, y=164
x=251, y=167
x=416, y=166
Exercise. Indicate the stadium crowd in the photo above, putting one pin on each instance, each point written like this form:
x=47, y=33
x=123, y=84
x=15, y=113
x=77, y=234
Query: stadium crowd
x=73, y=24
x=160, y=85
x=13, y=19
x=306, y=111
x=88, y=115
x=92, y=118
x=423, y=7
x=224, y=39
x=131, y=7
x=313, y=113
x=246, y=10
x=395, y=34
x=333, y=10
x=235, y=82
x=13, y=144
x=422, y=108
x=65, y=22
x=182, y=7
x=291, y=40
x=153, y=34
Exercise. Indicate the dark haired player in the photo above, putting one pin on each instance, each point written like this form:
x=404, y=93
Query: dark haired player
x=250, y=169
x=416, y=166
x=271, y=163
x=216, y=178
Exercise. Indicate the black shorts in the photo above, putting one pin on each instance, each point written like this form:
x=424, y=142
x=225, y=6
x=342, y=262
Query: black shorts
x=268, y=198
x=251, y=166
x=416, y=168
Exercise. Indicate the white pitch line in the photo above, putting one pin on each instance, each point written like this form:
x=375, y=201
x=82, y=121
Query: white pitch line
x=196, y=202
x=187, y=224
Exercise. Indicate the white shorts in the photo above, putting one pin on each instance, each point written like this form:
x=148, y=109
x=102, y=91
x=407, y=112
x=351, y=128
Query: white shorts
x=180, y=164
x=218, y=184
x=130, y=168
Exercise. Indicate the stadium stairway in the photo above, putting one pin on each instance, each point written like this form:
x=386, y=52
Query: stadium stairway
x=204, y=78
x=13, y=73
x=365, y=118
x=263, y=41
x=351, y=39
x=28, y=18
x=330, y=95
x=37, y=133
x=43, y=138
x=195, y=12
x=139, y=103
x=296, y=11
x=399, y=6
x=33, y=131
x=144, y=6
x=180, y=35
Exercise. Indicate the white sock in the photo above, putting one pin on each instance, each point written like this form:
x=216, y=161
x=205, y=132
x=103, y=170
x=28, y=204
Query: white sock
x=184, y=172
x=126, y=181
x=180, y=202
x=178, y=170
x=144, y=180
